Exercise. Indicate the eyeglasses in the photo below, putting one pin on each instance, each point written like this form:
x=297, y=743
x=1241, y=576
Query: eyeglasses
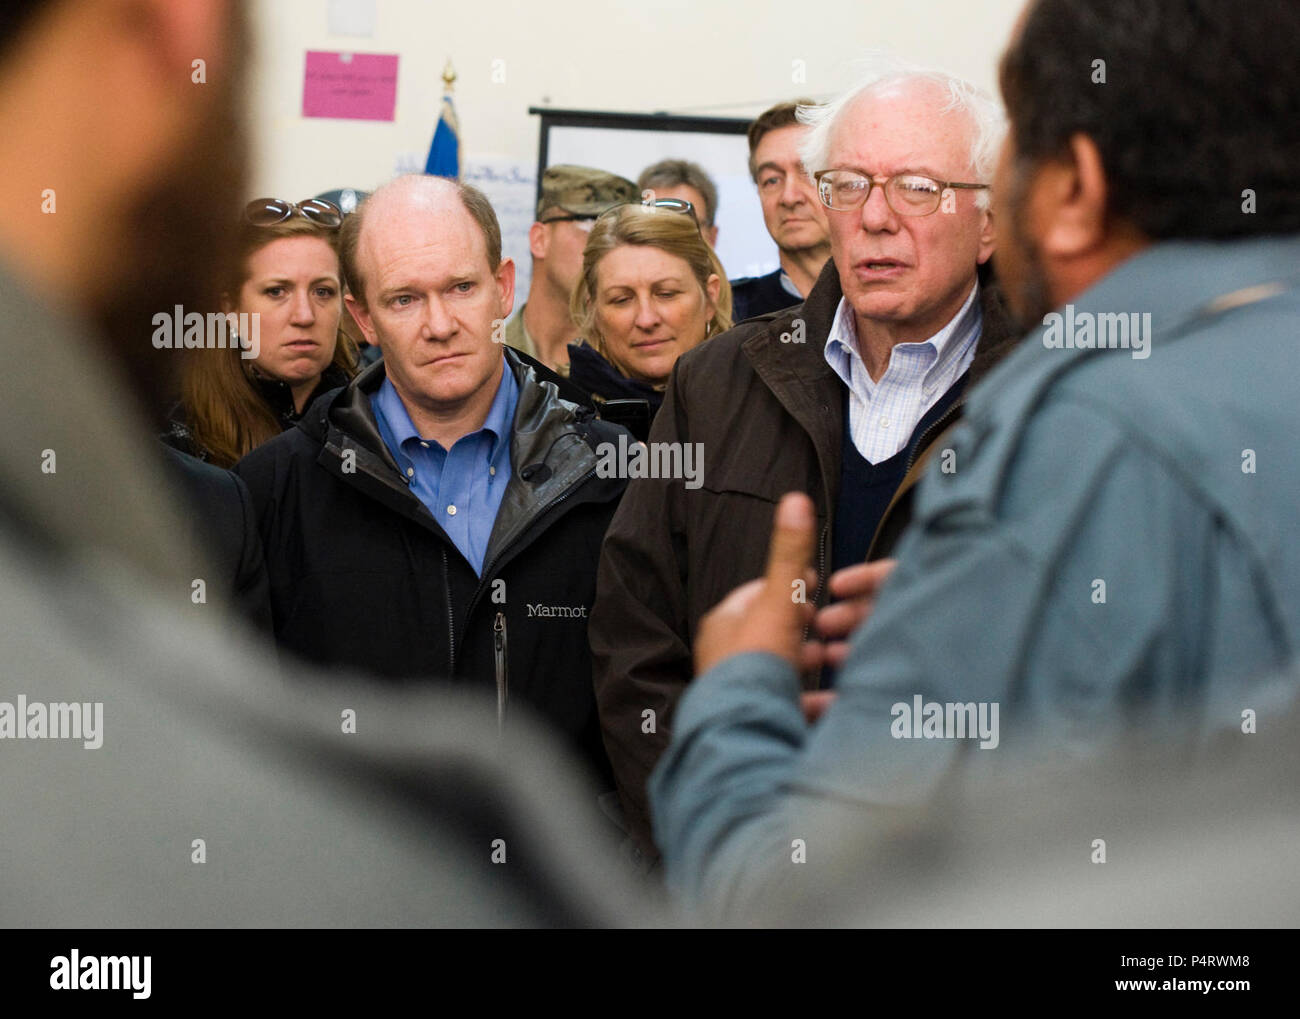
x=908, y=194
x=584, y=223
x=269, y=211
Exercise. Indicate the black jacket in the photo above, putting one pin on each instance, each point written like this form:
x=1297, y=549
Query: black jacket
x=279, y=400
x=224, y=526
x=363, y=575
x=628, y=402
x=759, y=295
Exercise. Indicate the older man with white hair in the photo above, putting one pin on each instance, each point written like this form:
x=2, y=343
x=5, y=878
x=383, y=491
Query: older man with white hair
x=1106, y=567
x=840, y=397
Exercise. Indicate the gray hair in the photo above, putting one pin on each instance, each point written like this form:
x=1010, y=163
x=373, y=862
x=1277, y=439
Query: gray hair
x=674, y=173
x=988, y=121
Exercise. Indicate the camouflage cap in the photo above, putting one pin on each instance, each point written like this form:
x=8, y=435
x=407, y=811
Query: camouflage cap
x=583, y=190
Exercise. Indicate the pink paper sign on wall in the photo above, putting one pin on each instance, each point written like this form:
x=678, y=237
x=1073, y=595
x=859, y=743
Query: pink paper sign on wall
x=357, y=86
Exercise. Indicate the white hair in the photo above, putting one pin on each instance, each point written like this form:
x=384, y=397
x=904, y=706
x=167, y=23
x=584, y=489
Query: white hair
x=987, y=119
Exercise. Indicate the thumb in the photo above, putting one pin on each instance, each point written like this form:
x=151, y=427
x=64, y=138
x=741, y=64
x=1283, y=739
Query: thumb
x=793, y=537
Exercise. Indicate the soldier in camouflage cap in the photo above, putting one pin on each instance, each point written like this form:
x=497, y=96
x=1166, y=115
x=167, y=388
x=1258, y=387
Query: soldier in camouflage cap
x=582, y=191
x=571, y=199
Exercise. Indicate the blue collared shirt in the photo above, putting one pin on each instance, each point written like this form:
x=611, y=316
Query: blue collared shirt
x=884, y=413
x=463, y=486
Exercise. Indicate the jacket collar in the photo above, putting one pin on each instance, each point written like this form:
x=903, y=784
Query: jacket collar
x=998, y=334
x=279, y=396
x=796, y=372
x=593, y=371
x=350, y=413
x=1180, y=284
x=808, y=388
x=551, y=448
x=551, y=453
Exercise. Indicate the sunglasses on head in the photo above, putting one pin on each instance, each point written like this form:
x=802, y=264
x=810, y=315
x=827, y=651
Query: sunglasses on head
x=269, y=211
x=667, y=204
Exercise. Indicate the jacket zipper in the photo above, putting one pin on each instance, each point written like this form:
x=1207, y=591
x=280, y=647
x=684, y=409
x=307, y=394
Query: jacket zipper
x=451, y=619
x=503, y=679
x=499, y=627
x=921, y=444
x=821, y=569
x=821, y=560
x=821, y=584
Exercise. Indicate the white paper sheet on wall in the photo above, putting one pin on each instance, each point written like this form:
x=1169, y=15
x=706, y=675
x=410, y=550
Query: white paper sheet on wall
x=352, y=17
x=744, y=245
x=511, y=187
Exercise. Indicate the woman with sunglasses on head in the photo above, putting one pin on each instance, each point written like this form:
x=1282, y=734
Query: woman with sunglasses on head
x=651, y=289
x=290, y=286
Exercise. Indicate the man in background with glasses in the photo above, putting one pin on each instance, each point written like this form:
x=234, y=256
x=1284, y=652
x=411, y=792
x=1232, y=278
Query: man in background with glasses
x=840, y=397
x=792, y=214
x=572, y=198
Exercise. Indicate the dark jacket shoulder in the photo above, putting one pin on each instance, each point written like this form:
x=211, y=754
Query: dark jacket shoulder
x=615, y=397
x=225, y=527
x=758, y=295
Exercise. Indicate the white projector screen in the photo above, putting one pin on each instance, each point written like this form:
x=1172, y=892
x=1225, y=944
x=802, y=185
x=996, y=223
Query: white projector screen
x=626, y=144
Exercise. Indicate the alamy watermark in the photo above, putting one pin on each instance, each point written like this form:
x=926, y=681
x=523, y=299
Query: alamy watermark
x=1108, y=330
x=25, y=719
x=676, y=460
x=924, y=719
x=77, y=972
x=181, y=330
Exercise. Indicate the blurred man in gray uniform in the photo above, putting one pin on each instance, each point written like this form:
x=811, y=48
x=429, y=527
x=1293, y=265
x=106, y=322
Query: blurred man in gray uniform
x=157, y=769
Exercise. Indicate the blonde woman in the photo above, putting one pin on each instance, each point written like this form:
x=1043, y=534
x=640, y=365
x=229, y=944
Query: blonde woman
x=651, y=289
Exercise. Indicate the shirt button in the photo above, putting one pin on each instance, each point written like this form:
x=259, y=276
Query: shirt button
x=884, y=422
x=492, y=471
x=410, y=472
x=451, y=511
x=424, y=445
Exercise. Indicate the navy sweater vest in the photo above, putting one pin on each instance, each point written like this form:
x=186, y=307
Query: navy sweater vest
x=866, y=488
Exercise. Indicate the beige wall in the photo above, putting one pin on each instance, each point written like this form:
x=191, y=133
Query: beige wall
x=718, y=57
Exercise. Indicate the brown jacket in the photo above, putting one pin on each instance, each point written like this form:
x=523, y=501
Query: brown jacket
x=767, y=413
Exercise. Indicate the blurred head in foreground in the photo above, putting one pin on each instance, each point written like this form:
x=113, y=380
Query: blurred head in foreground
x=134, y=200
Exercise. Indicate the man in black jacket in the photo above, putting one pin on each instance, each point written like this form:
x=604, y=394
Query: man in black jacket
x=441, y=516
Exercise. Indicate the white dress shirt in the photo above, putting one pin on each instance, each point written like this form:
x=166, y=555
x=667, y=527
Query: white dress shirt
x=883, y=414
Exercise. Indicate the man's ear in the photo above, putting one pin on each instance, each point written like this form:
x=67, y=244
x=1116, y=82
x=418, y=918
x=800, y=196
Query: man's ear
x=988, y=236
x=505, y=277
x=539, y=239
x=1067, y=201
x=711, y=235
x=361, y=315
